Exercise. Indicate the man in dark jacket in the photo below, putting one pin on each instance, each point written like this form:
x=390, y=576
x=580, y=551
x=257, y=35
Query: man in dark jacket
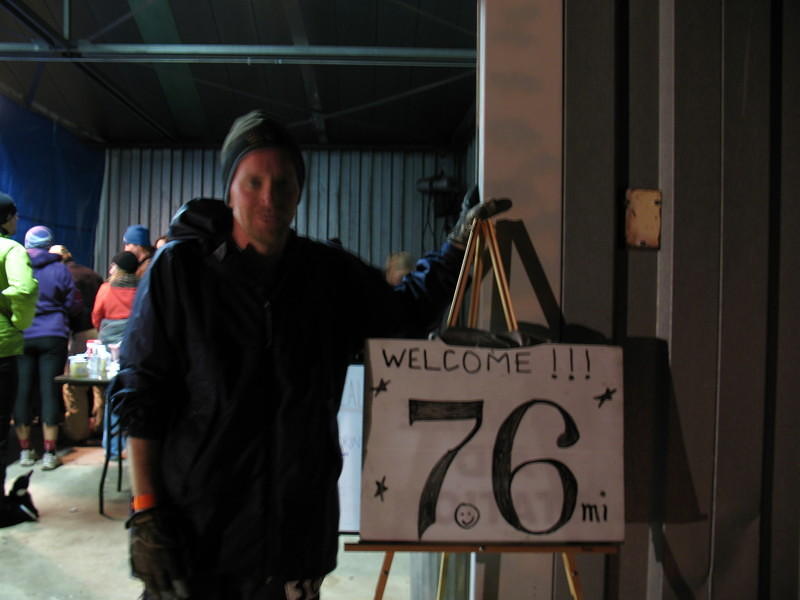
x=136, y=240
x=232, y=372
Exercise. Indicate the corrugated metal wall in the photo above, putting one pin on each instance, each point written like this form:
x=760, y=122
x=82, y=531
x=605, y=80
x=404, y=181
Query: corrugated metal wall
x=369, y=200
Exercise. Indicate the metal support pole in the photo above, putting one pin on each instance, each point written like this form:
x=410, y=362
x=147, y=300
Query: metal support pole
x=66, y=19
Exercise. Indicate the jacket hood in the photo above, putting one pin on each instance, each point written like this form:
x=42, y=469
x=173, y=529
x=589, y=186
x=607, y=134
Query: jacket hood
x=41, y=257
x=206, y=220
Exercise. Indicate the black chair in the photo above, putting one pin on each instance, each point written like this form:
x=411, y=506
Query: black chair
x=112, y=433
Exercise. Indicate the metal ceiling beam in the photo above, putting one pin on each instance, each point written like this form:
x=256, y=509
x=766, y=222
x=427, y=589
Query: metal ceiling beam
x=386, y=100
x=300, y=38
x=34, y=86
x=157, y=23
x=63, y=48
x=430, y=16
x=32, y=21
x=119, y=21
x=86, y=52
x=66, y=19
x=466, y=128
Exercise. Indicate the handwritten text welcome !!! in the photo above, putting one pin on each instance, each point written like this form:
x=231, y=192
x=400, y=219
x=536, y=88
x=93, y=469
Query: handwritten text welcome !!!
x=468, y=361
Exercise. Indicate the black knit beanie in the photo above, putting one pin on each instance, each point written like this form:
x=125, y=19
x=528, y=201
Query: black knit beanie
x=126, y=261
x=253, y=131
x=7, y=208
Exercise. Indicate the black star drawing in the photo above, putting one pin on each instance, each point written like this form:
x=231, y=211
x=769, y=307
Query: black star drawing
x=381, y=485
x=605, y=396
x=383, y=386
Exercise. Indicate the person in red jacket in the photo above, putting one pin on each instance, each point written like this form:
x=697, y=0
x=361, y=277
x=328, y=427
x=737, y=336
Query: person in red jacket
x=112, y=307
x=114, y=300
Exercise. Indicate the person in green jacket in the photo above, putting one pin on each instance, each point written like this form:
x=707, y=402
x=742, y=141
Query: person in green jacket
x=18, y=294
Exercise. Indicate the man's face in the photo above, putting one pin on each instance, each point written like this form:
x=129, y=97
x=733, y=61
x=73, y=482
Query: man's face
x=11, y=224
x=138, y=251
x=263, y=197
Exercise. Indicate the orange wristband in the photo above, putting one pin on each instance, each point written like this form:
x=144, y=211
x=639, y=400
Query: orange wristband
x=143, y=502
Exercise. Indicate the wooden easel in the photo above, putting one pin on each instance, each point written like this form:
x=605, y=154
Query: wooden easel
x=482, y=237
x=567, y=551
x=483, y=234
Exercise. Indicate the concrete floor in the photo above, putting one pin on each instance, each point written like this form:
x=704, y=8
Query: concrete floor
x=74, y=553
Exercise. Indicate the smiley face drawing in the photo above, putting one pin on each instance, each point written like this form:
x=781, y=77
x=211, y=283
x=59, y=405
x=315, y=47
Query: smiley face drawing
x=467, y=515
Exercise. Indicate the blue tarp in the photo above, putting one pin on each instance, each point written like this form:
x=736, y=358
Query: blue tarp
x=54, y=177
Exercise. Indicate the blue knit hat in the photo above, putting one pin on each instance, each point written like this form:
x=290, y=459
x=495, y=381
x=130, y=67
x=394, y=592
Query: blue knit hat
x=138, y=235
x=39, y=236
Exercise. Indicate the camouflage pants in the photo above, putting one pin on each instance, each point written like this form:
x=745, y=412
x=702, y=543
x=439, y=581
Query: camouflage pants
x=230, y=588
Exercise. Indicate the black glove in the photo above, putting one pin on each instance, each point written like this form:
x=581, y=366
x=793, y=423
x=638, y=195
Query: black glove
x=471, y=208
x=158, y=554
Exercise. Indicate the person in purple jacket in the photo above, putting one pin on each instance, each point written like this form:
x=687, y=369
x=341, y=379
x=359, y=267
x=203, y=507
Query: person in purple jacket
x=45, y=347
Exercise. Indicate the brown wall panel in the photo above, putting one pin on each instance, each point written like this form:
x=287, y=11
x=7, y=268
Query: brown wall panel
x=744, y=288
x=783, y=495
x=685, y=550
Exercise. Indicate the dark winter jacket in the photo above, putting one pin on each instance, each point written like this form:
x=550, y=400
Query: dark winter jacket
x=58, y=298
x=241, y=377
x=88, y=282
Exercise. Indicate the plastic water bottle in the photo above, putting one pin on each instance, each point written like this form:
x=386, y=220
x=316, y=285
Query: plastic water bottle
x=97, y=355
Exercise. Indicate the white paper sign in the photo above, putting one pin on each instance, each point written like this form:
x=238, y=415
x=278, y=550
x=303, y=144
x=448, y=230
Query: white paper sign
x=350, y=419
x=466, y=444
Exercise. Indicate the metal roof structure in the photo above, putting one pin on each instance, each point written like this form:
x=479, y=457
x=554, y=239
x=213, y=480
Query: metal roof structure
x=339, y=73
